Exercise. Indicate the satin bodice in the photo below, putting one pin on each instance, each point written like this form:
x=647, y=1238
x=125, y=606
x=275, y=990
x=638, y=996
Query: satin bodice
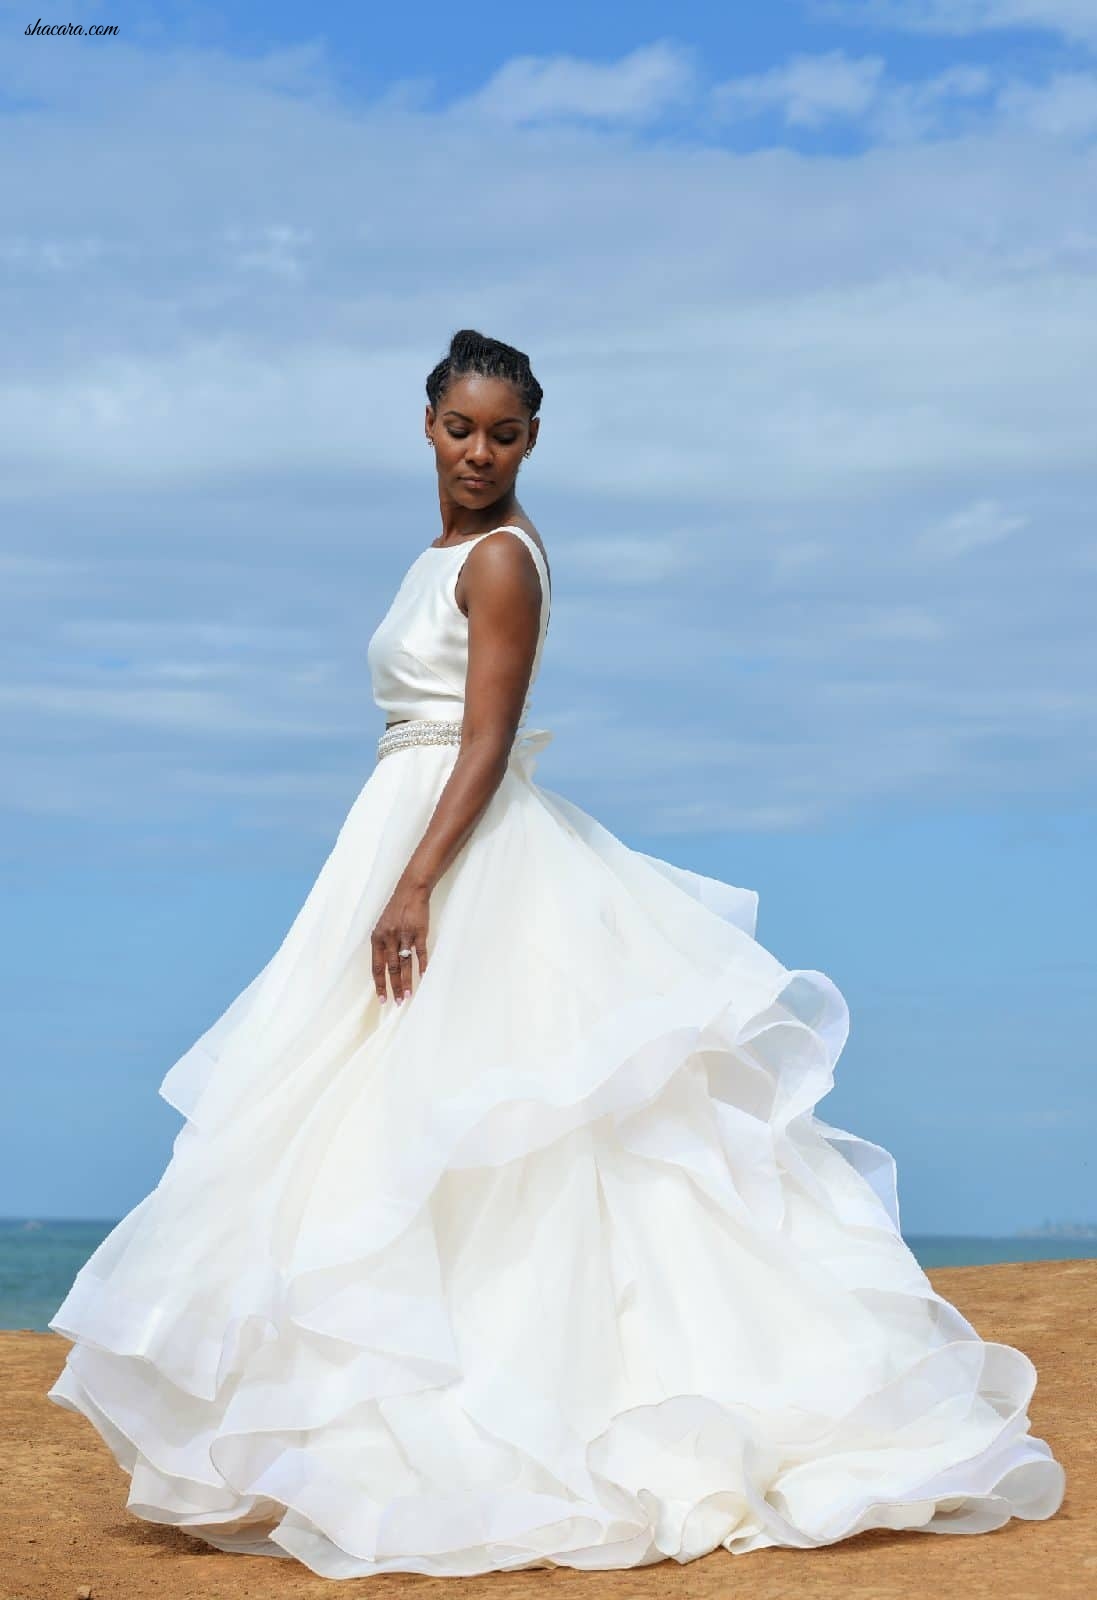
x=418, y=654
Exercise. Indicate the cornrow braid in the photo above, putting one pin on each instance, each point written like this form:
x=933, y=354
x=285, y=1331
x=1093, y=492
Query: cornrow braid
x=470, y=352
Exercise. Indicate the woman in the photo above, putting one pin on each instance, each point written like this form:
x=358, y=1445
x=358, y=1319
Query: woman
x=501, y=1231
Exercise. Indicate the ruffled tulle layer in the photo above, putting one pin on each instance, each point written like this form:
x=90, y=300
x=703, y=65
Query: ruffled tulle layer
x=555, y=1264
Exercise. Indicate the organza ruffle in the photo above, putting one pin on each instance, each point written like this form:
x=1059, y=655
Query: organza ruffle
x=555, y=1264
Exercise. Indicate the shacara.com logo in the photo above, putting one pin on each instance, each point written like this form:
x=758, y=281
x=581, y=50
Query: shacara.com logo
x=92, y=28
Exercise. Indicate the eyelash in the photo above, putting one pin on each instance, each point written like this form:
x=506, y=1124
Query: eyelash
x=465, y=436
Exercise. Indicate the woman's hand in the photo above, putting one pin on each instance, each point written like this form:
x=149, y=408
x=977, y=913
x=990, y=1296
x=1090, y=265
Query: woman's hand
x=402, y=925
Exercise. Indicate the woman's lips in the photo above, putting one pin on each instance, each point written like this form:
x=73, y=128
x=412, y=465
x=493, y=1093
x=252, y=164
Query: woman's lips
x=477, y=483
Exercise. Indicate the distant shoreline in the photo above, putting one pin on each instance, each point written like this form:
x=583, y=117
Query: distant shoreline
x=1047, y=1230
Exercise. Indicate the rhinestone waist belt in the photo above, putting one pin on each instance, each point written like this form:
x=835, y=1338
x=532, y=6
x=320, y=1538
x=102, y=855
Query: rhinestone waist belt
x=528, y=742
x=418, y=730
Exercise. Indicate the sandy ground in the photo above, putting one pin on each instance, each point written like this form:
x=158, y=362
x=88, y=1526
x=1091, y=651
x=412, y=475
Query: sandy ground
x=64, y=1529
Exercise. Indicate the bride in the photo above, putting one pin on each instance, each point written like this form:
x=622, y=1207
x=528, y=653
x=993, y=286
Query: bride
x=501, y=1230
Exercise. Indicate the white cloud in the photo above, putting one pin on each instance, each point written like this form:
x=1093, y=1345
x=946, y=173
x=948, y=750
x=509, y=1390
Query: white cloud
x=983, y=523
x=790, y=398
x=635, y=89
x=807, y=91
x=1075, y=19
x=50, y=255
x=1063, y=107
x=274, y=247
x=814, y=91
x=186, y=710
x=896, y=622
x=837, y=380
x=817, y=91
x=948, y=103
x=635, y=561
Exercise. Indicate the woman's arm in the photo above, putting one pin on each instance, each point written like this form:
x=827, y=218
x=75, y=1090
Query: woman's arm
x=503, y=599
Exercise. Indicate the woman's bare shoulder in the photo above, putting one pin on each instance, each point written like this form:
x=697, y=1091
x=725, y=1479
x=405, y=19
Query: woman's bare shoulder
x=526, y=526
x=471, y=567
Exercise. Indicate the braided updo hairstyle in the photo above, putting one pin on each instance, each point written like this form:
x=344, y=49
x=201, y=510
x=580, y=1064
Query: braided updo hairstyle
x=472, y=352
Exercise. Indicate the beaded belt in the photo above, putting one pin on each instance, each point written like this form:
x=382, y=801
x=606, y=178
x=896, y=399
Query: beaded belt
x=418, y=730
x=429, y=730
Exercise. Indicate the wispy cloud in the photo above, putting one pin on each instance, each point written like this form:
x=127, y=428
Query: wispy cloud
x=807, y=90
x=1076, y=19
x=839, y=90
x=1062, y=107
x=809, y=412
x=971, y=528
x=166, y=708
x=635, y=89
x=276, y=247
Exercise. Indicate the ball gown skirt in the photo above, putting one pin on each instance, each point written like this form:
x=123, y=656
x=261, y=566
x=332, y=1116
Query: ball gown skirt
x=552, y=1264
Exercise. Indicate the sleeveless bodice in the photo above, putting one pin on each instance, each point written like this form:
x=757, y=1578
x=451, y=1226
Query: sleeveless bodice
x=418, y=654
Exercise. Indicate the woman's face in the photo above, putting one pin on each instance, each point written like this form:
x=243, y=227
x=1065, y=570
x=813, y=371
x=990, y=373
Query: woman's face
x=481, y=431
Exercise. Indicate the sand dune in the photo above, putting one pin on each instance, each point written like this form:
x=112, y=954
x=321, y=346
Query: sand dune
x=63, y=1522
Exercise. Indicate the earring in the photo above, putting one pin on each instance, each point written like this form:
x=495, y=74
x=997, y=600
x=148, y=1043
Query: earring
x=430, y=441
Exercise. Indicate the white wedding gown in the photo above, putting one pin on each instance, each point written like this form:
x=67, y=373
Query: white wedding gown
x=552, y=1264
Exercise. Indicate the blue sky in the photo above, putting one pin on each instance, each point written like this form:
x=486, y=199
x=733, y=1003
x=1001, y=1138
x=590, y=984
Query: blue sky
x=811, y=292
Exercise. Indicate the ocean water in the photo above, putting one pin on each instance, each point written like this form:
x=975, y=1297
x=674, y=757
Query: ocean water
x=40, y=1258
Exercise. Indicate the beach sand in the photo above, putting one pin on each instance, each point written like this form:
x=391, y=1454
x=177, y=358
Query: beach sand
x=63, y=1522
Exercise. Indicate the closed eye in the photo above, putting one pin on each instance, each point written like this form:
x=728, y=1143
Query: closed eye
x=499, y=437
